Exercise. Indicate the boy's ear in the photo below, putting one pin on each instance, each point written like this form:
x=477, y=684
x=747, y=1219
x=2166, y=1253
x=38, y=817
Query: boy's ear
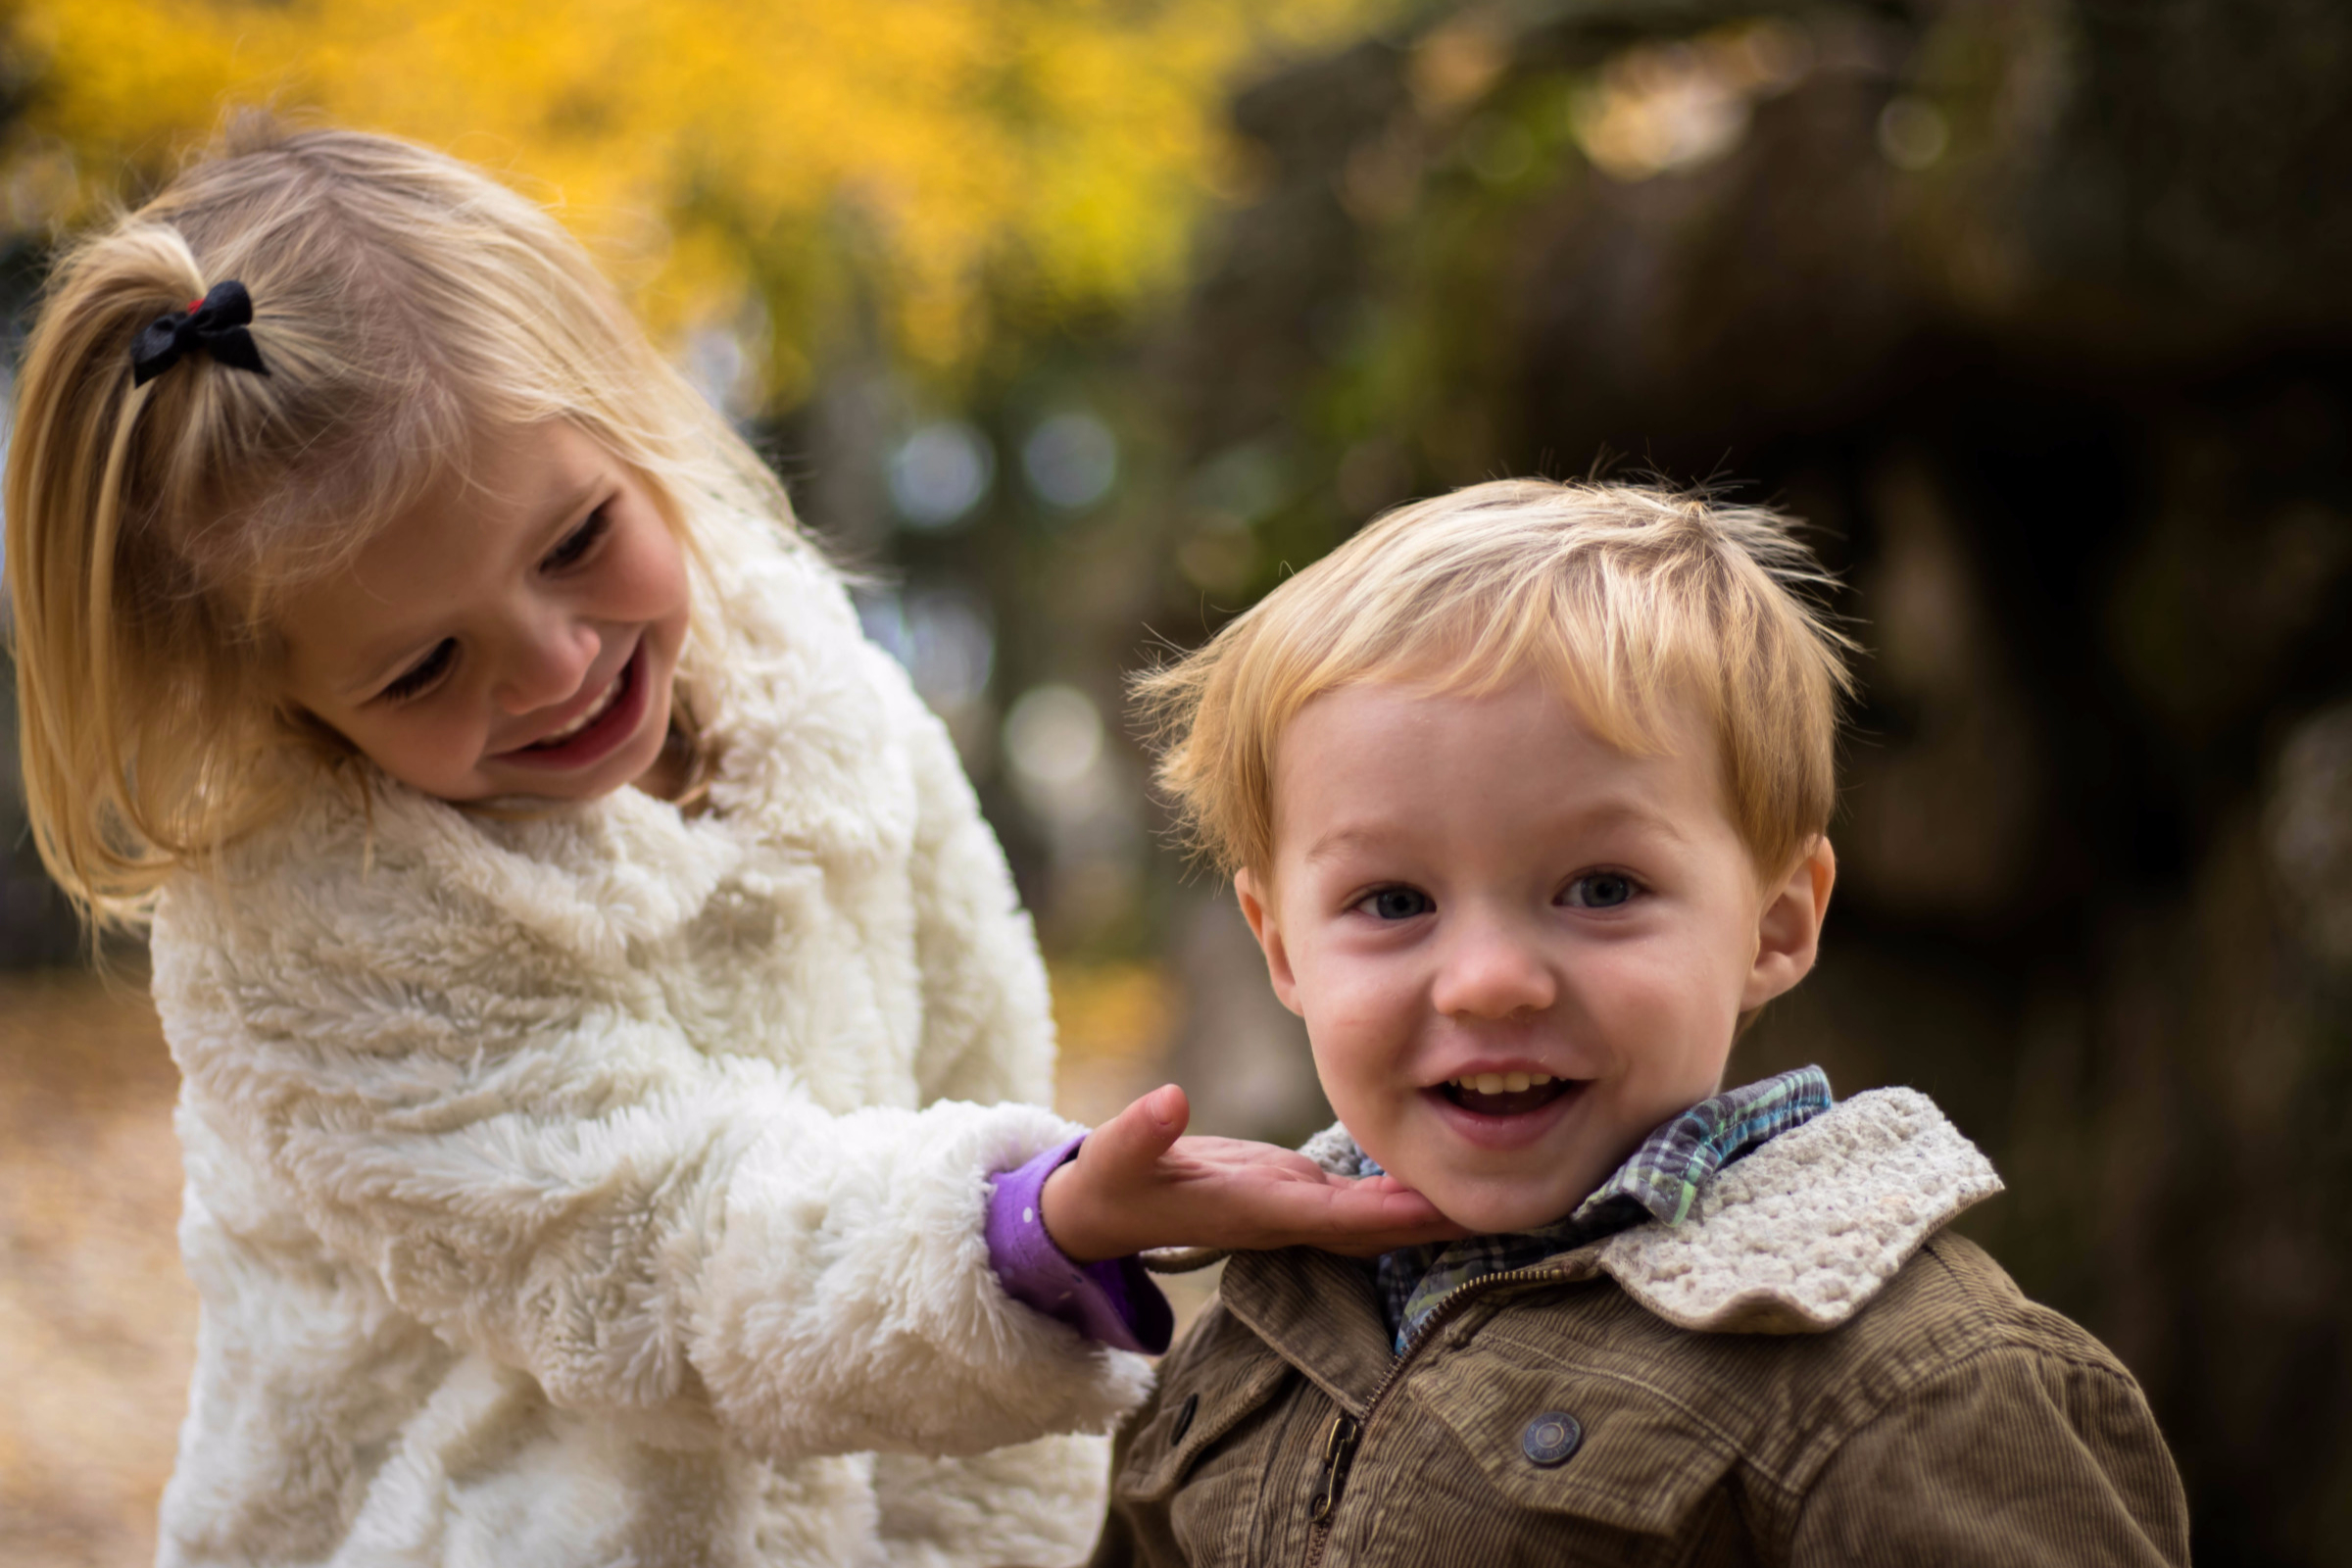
x=1260, y=916
x=1789, y=931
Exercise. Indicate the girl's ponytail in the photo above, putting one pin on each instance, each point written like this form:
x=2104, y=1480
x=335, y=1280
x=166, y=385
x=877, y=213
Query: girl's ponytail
x=112, y=756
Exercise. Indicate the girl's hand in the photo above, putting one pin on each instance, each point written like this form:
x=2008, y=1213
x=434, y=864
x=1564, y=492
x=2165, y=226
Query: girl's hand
x=1137, y=1183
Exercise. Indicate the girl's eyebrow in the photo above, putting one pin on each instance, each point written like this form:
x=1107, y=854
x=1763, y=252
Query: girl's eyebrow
x=574, y=502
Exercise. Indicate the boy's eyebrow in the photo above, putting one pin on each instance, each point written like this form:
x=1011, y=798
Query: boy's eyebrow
x=1634, y=813
x=1341, y=839
x=1602, y=816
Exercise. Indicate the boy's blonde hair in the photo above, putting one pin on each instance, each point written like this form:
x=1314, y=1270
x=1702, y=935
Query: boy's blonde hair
x=406, y=308
x=1625, y=597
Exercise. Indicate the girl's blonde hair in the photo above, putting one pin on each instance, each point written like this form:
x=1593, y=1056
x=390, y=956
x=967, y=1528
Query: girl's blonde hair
x=407, y=306
x=1625, y=597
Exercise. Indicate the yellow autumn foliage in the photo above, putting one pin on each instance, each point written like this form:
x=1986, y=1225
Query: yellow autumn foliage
x=775, y=161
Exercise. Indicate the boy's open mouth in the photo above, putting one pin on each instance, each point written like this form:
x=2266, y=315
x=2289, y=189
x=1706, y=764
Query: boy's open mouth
x=1505, y=1094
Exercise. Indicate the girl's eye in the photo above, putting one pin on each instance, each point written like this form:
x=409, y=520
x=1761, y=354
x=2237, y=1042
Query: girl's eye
x=1600, y=890
x=1399, y=903
x=423, y=672
x=576, y=544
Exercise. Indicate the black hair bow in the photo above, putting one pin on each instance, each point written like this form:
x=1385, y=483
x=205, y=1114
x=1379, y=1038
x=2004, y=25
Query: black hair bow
x=214, y=323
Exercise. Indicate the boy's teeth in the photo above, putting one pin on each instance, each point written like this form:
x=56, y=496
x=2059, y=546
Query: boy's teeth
x=1501, y=1082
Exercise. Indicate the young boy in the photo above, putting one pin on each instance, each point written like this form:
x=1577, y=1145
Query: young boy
x=1524, y=792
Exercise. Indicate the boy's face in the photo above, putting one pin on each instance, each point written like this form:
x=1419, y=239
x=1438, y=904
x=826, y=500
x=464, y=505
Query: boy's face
x=1517, y=948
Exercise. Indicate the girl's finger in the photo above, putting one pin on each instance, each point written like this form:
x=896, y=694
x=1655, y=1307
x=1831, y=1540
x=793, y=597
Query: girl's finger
x=1351, y=1220
x=1132, y=1142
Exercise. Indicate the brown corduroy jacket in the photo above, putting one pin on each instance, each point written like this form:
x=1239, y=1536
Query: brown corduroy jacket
x=1804, y=1371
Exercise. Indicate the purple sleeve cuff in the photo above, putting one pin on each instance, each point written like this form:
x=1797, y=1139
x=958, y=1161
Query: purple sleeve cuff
x=1113, y=1301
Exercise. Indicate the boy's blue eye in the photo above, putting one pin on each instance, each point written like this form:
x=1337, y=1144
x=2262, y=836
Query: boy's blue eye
x=1400, y=903
x=1600, y=890
x=417, y=676
x=577, y=543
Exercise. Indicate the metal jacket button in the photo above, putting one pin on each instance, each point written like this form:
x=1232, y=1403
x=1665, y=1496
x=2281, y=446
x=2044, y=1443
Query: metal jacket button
x=1550, y=1438
x=1184, y=1417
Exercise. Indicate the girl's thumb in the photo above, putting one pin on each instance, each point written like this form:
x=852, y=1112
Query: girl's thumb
x=1145, y=1130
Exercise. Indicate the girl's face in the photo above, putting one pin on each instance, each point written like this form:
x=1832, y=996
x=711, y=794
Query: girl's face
x=516, y=636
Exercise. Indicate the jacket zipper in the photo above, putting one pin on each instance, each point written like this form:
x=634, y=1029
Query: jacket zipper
x=1346, y=1434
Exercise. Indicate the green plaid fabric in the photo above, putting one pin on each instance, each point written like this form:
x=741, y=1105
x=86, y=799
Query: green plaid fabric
x=1659, y=1182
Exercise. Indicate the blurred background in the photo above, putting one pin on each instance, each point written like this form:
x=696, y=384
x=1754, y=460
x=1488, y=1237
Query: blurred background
x=1075, y=325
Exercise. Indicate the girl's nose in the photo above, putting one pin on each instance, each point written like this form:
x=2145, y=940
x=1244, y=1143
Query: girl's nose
x=545, y=664
x=1491, y=971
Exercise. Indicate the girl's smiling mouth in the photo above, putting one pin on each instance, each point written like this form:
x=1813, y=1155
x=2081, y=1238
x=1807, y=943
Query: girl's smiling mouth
x=586, y=719
x=599, y=730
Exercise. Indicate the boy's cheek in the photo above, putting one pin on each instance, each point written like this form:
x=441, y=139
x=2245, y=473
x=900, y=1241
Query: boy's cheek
x=1640, y=996
x=1368, y=1096
x=1346, y=1083
x=1352, y=1017
x=1362, y=1038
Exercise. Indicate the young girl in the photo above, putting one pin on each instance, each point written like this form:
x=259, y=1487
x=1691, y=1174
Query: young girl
x=598, y=1000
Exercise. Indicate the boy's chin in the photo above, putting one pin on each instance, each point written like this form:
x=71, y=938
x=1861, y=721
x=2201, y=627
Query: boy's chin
x=1499, y=1208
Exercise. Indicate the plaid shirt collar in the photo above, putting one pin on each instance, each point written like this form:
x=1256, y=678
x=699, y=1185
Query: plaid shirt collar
x=1659, y=1182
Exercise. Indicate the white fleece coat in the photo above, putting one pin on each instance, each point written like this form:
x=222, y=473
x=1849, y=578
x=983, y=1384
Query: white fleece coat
x=607, y=1188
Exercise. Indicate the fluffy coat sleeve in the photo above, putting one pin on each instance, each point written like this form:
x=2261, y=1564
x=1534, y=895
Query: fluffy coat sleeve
x=549, y=1161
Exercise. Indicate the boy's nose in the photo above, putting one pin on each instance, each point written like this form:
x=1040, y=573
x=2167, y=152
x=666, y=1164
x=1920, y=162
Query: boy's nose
x=1492, y=972
x=546, y=665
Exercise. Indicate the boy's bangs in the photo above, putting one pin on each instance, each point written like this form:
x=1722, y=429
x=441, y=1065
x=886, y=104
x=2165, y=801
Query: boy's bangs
x=1620, y=654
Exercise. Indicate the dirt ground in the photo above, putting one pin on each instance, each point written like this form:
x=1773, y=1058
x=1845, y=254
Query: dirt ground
x=97, y=1322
